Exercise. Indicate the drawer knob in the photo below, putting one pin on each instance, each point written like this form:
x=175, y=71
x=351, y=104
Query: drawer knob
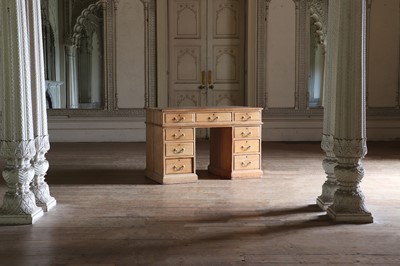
x=245, y=164
x=245, y=118
x=176, y=136
x=178, y=168
x=178, y=118
x=213, y=118
x=243, y=148
x=245, y=134
x=176, y=151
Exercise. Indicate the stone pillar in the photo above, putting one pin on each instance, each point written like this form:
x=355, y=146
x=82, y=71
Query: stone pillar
x=72, y=77
x=38, y=186
x=17, y=145
x=330, y=161
x=350, y=130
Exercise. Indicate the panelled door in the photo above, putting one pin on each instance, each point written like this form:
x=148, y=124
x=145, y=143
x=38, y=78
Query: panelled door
x=206, y=52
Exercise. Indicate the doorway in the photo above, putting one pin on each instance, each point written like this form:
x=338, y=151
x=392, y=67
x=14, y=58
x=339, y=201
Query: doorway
x=206, y=53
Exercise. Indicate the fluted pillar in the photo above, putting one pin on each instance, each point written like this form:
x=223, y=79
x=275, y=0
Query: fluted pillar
x=17, y=145
x=330, y=161
x=38, y=186
x=350, y=118
x=72, y=77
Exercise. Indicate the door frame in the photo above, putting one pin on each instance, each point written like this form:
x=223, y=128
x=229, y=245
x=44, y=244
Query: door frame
x=163, y=56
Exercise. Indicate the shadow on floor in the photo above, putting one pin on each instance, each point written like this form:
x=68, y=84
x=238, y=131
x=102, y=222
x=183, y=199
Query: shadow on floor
x=98, y=176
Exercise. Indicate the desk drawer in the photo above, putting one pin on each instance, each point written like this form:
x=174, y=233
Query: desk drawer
x=179, y=166
x=172, y=134
x=214, y=117
x=179, y=149
x=247, y=116
x=247, y=146
x=179, y=118
x=246, y=162
x=247, y=132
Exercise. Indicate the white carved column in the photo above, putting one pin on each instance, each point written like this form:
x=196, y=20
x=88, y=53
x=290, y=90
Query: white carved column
x=38, y=186
x=72, y=76
x=330, y=161
x=350, y=131
x=17, y=145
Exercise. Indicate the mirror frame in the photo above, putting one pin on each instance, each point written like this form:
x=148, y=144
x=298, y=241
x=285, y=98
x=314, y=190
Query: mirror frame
x=110, y=8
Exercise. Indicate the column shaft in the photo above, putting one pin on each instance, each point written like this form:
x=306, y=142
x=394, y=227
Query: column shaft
x=17, y=144
x=330, y=161
x=72, y=77
x=350, y=134
x=40, y=129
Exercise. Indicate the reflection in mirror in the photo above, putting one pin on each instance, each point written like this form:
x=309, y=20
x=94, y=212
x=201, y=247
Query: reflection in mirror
x=318, y=13
x=316, y=69
x=73, y=53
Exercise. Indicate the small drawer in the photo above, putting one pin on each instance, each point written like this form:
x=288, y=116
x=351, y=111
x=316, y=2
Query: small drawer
x=179, y=118
x=172, y=134
x=247, y=116
x=179, y=166
x=247, y=162
x=214, y=117
x=179, y=149
x=247, y=132
x=247, y=146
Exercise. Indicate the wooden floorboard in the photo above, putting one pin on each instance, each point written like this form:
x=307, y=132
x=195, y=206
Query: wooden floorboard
x=108, y=213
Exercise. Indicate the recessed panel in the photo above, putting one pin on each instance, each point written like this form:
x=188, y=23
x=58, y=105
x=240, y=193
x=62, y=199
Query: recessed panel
x=187, y=19
x=226, y=19
x=226, y=64
x=187, y=64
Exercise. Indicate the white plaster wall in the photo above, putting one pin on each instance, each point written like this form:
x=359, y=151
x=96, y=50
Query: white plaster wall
x=130, y=53
x=383, y=53
x=281, y=57
x=130, y=68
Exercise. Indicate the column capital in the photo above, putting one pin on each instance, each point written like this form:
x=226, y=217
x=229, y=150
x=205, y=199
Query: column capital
x=350, y=148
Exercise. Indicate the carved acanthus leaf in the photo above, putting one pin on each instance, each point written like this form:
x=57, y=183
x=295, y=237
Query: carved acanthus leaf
x=350, y=148
x=319, y=17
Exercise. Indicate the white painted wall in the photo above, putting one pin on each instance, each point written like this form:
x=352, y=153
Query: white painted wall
x=382, y=82
x=383, y=53
x=281, y=56
x=130, y=54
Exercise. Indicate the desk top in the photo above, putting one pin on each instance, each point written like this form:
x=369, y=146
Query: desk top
x=201, y=109
x=204, y=116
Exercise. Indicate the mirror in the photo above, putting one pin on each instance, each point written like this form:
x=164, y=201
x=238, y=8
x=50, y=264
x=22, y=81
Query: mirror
x=73, y=50
x=317, y=46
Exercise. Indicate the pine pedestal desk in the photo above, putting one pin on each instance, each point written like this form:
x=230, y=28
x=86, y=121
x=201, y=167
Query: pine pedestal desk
x=235, y=142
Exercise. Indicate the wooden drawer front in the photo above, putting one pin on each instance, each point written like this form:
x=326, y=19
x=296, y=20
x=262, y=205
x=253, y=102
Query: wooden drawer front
x=247, y=132
x=179, y=118
x=250, y=116
x=179, y=149
x=246, y=146
x=179, y=166
x=247, y=162
x=214, y=117
x=178, y=134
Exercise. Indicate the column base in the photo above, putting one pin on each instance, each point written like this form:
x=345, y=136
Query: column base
x=356, y=218
x=322, y=204
x=48, y=205
x=22, y=218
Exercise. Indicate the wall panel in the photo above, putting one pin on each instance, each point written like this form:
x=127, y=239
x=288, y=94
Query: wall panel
x=383, y=53
x=281, y=54
x=130, y=52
